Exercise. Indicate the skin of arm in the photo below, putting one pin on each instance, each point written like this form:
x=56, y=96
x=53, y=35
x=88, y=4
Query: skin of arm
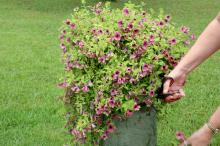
x=205, y=46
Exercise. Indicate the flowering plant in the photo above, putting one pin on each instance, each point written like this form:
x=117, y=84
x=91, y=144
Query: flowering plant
x=111, y=57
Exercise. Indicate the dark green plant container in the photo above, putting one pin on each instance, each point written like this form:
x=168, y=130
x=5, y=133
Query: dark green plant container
x=138, y=130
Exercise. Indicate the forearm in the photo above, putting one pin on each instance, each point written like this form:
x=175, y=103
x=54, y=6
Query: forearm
x=206, y=45
x=215, y=118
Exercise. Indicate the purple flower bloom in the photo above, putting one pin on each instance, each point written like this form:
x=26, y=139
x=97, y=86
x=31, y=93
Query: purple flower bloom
x=98, y=11
x=152, y=39
x=128, y=69
x=68, y=40
x=120, y=24
x=126, y=11
x=113, y=92
x=99, y=111
x=93, y=31
x=145, y=44
x=104, y=136
x=102, y=59
x=62, y=46
x=68, y=21
x=110, y=128
x=148, y=102
x=137, y=107
x=146, y=67
x=151, y=93
x=73, y=26
x=180, y=136
x=100, y=31
x=81, y=44
x=185, y=29
x=136, y=31
x=141, y=24
x=130, y=26
x=187, y=42
x=168, y=17
x=128, y=113
x=75, y=132
x=75, y=89
x=69, y=65
x=85, y=88
x=161, y=23
x=132, y=80
x=164, y=68
x=62, y=37
x=193, y=37
x=117, y=36
x=172, y=41
x=111, y=103
x=63, y=84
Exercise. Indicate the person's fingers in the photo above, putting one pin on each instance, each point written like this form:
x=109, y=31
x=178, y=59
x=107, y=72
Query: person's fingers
x=182, y=92
x=173, y=97
x=166, y=86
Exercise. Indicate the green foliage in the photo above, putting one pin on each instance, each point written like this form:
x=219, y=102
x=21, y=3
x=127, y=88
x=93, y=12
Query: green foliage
x=111, y=57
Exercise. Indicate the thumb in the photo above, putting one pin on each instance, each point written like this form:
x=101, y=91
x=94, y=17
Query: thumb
x=166, y=86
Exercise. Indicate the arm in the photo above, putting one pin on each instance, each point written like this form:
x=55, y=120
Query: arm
x=206, y=45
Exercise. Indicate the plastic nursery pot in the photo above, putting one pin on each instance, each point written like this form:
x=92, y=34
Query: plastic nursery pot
x=138, y=130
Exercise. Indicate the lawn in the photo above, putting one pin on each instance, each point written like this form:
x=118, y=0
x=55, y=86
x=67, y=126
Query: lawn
x=31, y=113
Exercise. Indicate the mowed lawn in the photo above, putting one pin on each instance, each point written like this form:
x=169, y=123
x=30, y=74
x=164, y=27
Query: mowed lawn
x=31, y=113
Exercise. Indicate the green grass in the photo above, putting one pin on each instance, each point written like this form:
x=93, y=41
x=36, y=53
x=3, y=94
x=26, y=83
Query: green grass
x=30, y=111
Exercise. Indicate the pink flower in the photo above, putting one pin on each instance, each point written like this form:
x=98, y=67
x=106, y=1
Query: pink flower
x=85, y=88
x=63, y=85
x=180, y=136
x=193, y=37
x=102, y=59
x=120, y=24
x=185, y=29
x=167, y=19
x=132, y=80
x=110, y=128
x=151, y=93
x=73, y=26
x=164, y=67
x=187, y=42
x=104, y=136
x=145, y=67
x=128, y=69
x=75, y=132
x=128, y=113
x=145, y=44
x=111, y=103
x=62, y=46
x=161, y=23
x=68, y=21
x=126, y=11
x=81, y=44
x=113, y=92
x=152, y=39
x=148, y=102
x=130, y=26
x=100, y=31
x=75, y=89
x=99, y=111
x=117, y=36
x=98, y=11
x=172, y=41
x=137, y=107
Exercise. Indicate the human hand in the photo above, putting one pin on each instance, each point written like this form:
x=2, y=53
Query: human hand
x=202, y=137
x=173, y=86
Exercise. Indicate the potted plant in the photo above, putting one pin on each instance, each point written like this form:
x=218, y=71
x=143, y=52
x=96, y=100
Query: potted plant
x=115, y=60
